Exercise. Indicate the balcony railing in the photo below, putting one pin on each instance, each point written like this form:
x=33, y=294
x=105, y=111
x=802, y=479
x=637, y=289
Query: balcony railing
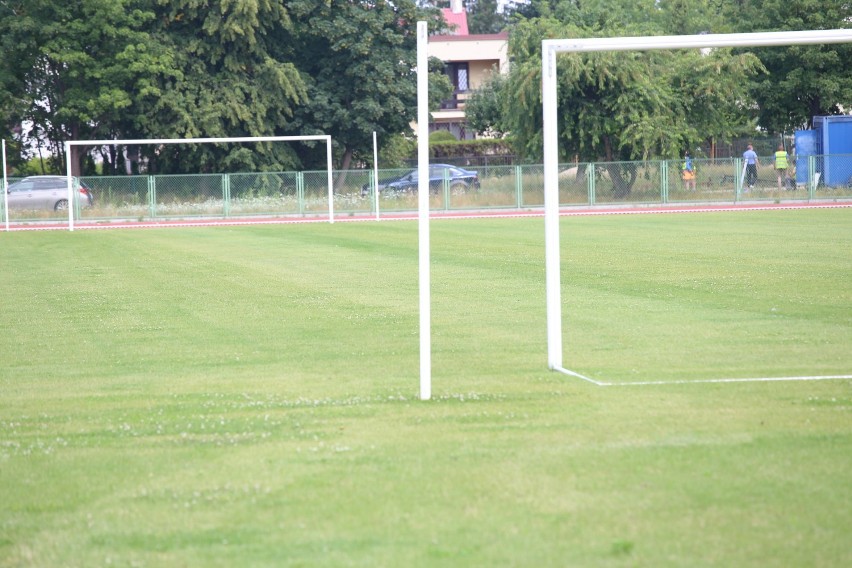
x=457, y=102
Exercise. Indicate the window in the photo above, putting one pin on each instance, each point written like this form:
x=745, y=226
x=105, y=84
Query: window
x=45, y=184
x=458, y=73
x=22, y=186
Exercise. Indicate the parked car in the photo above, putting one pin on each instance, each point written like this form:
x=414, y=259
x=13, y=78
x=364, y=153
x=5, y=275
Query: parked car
x=460, y=180
x=46, y=192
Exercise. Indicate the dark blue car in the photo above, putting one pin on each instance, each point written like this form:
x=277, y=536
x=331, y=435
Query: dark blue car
x=460, y=180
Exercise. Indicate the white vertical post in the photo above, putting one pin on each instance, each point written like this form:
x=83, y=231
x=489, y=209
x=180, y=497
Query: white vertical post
x=551, y=208
x=423, y=210
x=5, y=189
x=376, y=173
x=330, y=182
x=70, y=183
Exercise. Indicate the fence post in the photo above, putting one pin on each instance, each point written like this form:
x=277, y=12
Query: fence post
x=446, y=186
x=226, y=194
x=152, y=196
x=812, y=181
x=664, y=181
x=373, y=184
x=519, y=186
x=738, y=179
x=590, y=181
x=300, y=191
x=76, y=204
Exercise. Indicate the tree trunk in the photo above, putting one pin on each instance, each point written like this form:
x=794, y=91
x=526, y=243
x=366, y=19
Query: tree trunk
x=607, y=148
x=814, y=104
x=75, y=152
x=344, y=166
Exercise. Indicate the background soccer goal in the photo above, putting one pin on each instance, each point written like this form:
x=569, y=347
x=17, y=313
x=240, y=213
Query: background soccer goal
x=226, y=194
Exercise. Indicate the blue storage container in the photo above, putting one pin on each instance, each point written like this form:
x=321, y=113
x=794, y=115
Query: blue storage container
x=806, y=145
x=834, y=139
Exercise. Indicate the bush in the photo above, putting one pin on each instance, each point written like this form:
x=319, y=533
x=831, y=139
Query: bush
x=470, y=148
x=441, y=137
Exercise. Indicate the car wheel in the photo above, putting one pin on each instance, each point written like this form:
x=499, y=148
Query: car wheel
x=458, y=188
x=61, y=205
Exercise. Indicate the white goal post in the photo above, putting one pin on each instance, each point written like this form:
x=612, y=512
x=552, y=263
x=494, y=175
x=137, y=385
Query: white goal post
x=163, y=141
x=5, y=187
x=549, y=51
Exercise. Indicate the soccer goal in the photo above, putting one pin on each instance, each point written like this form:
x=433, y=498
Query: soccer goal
x=166, y=142
x=550, y=50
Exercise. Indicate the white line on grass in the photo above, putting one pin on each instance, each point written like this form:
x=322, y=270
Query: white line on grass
x=696, y=381
x=579, y=376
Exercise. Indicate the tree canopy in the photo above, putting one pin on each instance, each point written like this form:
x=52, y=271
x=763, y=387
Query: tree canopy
x=802, y=81
x=77, y=70
x=629, y=105
x=358, y=61
x=229, y=80
x=483, y=17
x=208, y=68
x=112, y=69
x=619, y=105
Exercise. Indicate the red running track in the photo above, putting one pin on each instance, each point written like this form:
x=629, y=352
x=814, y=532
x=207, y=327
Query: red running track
x=435, y=215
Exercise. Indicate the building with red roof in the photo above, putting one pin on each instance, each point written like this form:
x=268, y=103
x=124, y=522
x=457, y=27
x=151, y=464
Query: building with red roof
x=456, y=18
x=469, y=60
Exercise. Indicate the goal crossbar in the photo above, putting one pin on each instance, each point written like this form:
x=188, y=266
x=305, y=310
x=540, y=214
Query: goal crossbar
x=163, y=141
x=549, y=50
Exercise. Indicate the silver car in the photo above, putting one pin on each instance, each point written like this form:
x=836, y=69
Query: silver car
x=46, y=192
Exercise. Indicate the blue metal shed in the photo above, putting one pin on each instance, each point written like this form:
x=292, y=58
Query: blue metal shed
x=831, y=141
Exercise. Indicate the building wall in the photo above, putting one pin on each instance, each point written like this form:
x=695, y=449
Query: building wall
x=471, y=48
x=480, y=71
x=484, y=55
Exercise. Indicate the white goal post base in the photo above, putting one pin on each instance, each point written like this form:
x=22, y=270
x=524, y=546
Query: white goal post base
x=549, y=50
x=164, y=141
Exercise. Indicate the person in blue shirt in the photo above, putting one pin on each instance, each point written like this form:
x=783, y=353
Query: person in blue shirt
x=688, y=172
x=752, y=162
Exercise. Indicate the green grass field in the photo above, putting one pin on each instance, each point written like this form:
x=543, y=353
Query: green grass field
x=248, y=396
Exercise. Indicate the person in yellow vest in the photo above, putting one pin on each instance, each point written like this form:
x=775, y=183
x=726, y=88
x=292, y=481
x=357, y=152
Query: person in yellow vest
x=781, y=160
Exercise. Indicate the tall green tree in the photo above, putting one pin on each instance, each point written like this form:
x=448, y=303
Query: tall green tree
x=590, y=14
x=802, y=81
x=620, y=106
x=483, y=17
x=358, y=59
x=74, y=69
x=487, y=108
x=235, y=77
x=688, y=17
x=106, y=69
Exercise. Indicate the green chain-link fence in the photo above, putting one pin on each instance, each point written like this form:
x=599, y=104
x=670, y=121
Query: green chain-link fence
x=500, y=187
